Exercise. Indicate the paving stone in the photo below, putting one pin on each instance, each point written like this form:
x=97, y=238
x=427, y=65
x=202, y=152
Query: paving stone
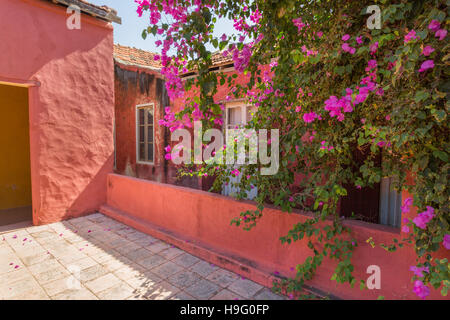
x=222, y=277
x=92, y=273
x=102, y=283
x=138, y=254
x=226, y=294
x=158, y=246
x=151, y=262
x=127, y=248
x=145, y=241
x=143, y=280
x=167, y=269
x=120, y=291
x=203, y=289
x=58, y=286
x=37, y=293
x=44, y=266
x=82, y=263
x=51, y=274
x=267, y=294
x=117, y=263
x=160, y=291
x=136, y=235
x=182, y=296
x=130, y=271
x=204, y=268
x=75, y=294
x=170, y=253
x=5, y=250
x=11, y=277
x=184, y=279
x=32, y=259
x=9, y=264
x=245, y=288
x=186, y=260
x=19, y=289
x=112, y=262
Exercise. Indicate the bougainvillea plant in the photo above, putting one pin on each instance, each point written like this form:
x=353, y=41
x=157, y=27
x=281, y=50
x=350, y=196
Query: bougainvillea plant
x=316, y=72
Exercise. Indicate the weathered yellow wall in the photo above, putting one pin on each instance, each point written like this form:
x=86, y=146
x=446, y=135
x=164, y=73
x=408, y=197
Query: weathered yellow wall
x=15, y=176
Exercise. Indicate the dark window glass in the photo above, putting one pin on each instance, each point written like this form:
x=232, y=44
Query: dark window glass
x=145, y=134
x=141, y=152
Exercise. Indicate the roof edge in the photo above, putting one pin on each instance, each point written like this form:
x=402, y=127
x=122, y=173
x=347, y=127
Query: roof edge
x=102, y=13
x=126, y=63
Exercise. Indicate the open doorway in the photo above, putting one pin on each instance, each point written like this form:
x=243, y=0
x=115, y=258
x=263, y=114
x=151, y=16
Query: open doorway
x=15, y=172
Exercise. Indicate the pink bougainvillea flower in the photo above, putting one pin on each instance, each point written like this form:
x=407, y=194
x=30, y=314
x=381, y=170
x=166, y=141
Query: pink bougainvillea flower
x=372, y=64
x=156, y=57
x=168, y=148
x=428, y=64
x=345, y=37
x=406, y=204
x=423, y=218
x=298, y=23
x=420, y=289
x=373, y=47
x=346, y=47
x=319, y=34
x=235, y=172
x=418, y=271
x=410, y=36
x=405, y=229
x=359, y=40
x=446, y=242
x=441, y=34
x=309, y=117
x=14, y=236
x=427, y=51
x=434, y=25
x=381, y=144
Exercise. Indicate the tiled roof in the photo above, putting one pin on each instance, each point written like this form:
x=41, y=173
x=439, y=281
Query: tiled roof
x=146, y=59
x=135, y=57
x=218, y=58
x=99, y=12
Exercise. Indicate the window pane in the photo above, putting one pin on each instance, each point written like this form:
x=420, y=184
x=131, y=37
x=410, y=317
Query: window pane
x=141, y=116
x=150, y=134
x=141, y=133
x=149, y=112
x=235, y=116
x=141, y=152
x=150, y=152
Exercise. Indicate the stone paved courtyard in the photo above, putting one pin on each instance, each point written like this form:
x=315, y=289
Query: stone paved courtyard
x=95, y=257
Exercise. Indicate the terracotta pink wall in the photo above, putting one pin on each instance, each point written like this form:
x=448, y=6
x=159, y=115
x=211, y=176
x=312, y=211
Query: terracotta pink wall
x=206, y=217
x=71, y=112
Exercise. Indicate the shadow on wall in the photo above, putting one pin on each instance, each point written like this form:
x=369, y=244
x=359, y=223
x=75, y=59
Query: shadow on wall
x=95, y=187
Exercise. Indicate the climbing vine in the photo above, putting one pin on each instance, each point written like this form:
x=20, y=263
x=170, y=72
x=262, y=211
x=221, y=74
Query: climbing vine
x=331, y=86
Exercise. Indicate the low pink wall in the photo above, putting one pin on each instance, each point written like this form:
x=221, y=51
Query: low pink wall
x=72, y=108
x=206, y=217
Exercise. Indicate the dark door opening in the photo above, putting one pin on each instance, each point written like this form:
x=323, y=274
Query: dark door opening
x=15, y=172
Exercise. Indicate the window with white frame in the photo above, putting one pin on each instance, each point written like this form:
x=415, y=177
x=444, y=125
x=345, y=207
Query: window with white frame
x=238, y=114
x=145, y=148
